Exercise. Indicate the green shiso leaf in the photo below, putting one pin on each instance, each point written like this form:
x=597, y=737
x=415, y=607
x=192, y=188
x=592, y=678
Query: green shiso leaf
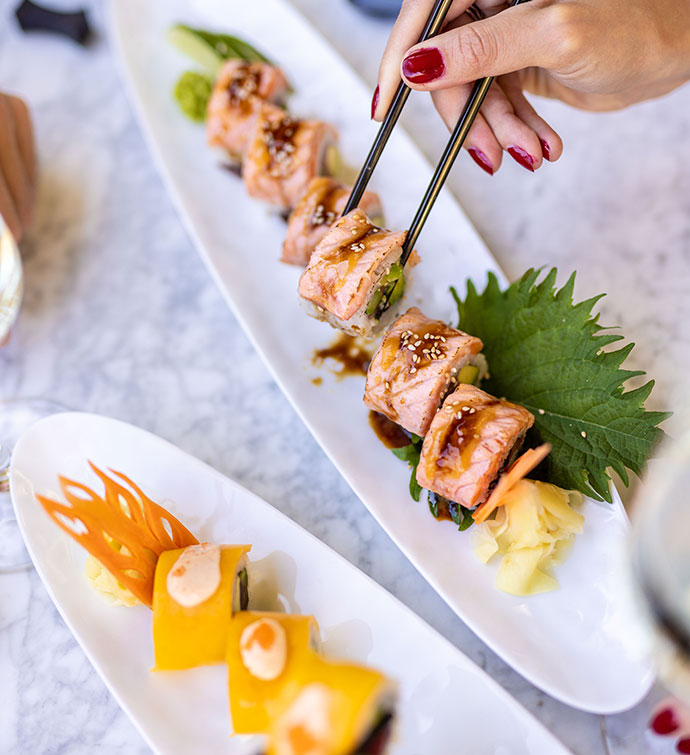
x=410, y=454
x=546, y=353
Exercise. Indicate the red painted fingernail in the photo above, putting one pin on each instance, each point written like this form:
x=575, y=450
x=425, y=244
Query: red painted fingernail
x=665, y=722
x=424, y=65
x=545, y=149
x=683, y=746
x=520, y=156
x=481, y=159
x=374, y=102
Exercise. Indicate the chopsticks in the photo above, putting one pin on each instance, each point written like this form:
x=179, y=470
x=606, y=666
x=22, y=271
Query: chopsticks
x=434, y=22
x=457, y=139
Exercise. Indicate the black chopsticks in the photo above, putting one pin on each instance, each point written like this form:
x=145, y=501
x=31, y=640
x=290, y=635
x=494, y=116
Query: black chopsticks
x=457, y=139
x=453, y=147
x=435, y=21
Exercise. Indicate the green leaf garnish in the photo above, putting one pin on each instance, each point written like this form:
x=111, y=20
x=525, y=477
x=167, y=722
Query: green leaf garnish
x=211, y=50
x=411, y=454
x=546, y=354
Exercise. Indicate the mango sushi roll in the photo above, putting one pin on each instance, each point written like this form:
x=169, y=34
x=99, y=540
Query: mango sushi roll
x=264, y=651
x=195, y=594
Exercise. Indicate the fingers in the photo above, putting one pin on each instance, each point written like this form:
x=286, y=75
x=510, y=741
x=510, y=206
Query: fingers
x=17, y=165
x=507, y=122
x=481, y=143
x=509, y=41
x=407, y=30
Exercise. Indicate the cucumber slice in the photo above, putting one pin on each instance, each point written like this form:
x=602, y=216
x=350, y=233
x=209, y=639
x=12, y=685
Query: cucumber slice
x=212, y=50
x=394, y=275
x=468, y=374
x=374, y=301
x=192, y=44
x=397, y=292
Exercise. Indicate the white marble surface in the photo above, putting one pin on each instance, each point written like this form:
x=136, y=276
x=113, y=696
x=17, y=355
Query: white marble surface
x=121, y=318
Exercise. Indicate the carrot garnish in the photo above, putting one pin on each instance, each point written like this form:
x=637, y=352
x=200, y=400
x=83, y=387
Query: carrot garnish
x=125, y=516
x=520, y=468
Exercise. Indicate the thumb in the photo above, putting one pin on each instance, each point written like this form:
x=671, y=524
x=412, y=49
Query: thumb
x=507, y=42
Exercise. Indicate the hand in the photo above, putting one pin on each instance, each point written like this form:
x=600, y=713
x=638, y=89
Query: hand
x=17, y=165
x=592, y=54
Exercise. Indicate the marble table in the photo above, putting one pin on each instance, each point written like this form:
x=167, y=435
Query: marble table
x=120, y=317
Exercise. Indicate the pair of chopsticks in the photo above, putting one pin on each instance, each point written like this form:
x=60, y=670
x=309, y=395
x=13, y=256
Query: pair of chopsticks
x=457, y=138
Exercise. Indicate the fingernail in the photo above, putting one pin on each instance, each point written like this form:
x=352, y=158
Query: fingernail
x=481, y=159
x=520, y=156
x=424, y=65
x=374, y=102
x=665, y=722
x=683, y=746
x=545, y=149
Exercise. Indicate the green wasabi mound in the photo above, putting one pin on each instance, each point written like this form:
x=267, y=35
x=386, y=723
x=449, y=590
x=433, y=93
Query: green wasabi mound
x=192, y=92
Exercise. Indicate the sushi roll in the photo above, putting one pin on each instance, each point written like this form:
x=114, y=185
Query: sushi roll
x=284, y=154
x=339, y=709
x=321, y=204
x=348, y=271
x=195, y=593
x=418, y=362
x=472, y=438
x=265, y=650
x=233, y=108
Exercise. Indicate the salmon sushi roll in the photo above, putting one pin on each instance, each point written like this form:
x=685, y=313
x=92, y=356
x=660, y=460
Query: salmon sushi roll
x=347, y=272
x=233, y=108
x=418, y=362
x=472, y=438
x=284, y=154
x=321, y=204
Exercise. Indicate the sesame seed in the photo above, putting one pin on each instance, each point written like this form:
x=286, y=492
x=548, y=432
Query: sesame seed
x=472, y=410
x=476, y=436
x=387, y=385
x=411, y=347
x=426, y=335
x=541, y=411
x=416, y=343
x=583, y=434
x=465, y=408
x=412, y=371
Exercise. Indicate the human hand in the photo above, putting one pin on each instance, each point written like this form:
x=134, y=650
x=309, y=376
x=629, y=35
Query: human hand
x=592, y=54
x=17, y=165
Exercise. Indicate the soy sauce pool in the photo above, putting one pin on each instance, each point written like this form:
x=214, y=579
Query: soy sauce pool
x=349, y=354
x=390, y=434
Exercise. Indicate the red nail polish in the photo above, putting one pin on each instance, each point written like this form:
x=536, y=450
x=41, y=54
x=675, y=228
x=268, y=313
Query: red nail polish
x=481, y=159
x=424, y=65
x=521, y=156
x=545, y=149
x=683, y=746
x=665, y=722
x=374, y=102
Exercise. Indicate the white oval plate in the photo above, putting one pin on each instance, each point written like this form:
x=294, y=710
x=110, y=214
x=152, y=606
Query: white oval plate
x=571, y=643
x=448, y=705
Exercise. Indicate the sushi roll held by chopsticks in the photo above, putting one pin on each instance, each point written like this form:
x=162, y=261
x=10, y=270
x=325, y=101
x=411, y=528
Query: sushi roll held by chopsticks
x=348, y=271
x=418, y=362
x=321, y=204
x=284, y=154
x=238, y=93
x=471, y=440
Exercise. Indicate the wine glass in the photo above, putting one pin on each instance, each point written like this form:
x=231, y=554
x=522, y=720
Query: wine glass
x=15, y=415
x=659, y=577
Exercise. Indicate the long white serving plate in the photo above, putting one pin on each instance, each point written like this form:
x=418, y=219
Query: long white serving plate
x=572, y=642
x=448, y=706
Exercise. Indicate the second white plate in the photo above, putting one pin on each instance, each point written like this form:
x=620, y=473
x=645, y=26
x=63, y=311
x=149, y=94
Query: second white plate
x=448, y=706
x=571, y=643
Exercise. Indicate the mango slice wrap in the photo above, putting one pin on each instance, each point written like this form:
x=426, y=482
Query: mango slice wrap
x=124, y=515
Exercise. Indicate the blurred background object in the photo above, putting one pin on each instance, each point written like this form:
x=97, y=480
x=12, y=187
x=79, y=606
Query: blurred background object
x=34, y=17
x=381, y=8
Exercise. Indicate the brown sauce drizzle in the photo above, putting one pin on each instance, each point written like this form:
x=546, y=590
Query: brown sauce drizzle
x=390, y=434
x=243, y=85
x=463, y=434
x=324, y=213
x=279, y=138
x=348, y=352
